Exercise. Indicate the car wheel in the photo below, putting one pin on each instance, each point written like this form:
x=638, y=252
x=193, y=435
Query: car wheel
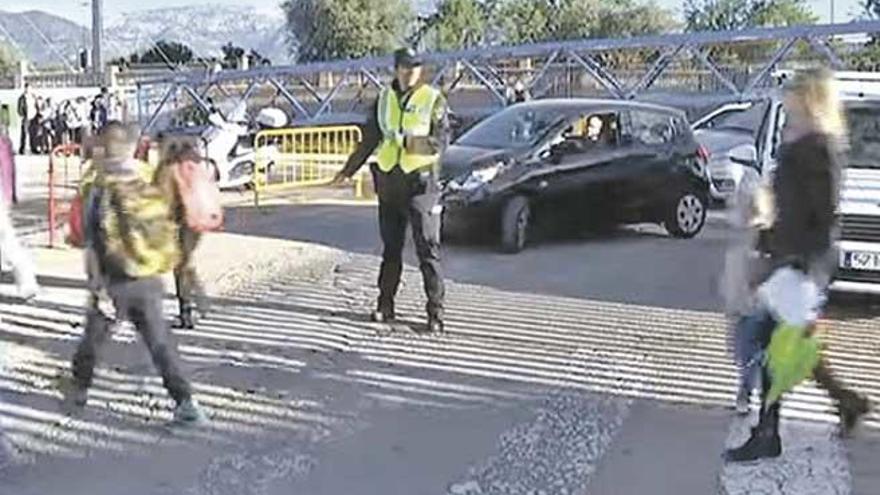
x=515, y=223
x=687, y=215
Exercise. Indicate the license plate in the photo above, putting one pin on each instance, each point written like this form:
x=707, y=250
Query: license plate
x=861, y=260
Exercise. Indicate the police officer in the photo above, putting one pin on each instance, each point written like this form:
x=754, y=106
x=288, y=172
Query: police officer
x=407, y=130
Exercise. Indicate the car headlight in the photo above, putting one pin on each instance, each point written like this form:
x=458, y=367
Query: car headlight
x=482, y=176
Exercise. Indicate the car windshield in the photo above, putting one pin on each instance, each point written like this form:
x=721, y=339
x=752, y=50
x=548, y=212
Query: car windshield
x=746, y=120
x=864, y=137
x=516, y=127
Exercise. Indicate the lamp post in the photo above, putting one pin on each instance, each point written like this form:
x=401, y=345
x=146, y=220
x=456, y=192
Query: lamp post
x=97, y=36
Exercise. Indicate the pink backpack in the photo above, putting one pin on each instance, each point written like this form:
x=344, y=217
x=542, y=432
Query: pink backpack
x=7, y=171
x=200, y=196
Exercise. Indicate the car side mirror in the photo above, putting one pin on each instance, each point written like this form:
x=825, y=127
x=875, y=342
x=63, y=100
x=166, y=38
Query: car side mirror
x=745, y=155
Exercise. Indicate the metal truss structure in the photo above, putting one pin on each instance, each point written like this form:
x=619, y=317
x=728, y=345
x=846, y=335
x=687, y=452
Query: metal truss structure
x=737, y=64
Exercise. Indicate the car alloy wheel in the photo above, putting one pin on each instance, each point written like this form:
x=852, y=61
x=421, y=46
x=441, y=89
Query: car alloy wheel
x=690, y=214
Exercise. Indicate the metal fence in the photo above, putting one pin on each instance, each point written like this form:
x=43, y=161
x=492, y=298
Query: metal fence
x=734, y=64
x=302, y=156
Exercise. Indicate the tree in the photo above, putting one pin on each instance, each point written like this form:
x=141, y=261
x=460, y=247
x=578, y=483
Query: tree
x=729, y=15
x=167, y=52
x=524, y=21
x=455, y=25
x=232, y=55
x=339, y=29
x=8, y=59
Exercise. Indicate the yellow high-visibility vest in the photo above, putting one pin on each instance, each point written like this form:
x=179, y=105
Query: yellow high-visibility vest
x=413, y=120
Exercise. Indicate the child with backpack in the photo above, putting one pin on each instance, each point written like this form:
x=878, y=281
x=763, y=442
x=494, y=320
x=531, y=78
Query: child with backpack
x=130, y=237
x=184, y=177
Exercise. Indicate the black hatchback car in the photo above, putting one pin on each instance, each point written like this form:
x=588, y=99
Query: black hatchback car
x=575, y=163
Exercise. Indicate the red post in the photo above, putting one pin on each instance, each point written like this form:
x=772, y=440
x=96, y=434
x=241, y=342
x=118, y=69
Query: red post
x=52, y=213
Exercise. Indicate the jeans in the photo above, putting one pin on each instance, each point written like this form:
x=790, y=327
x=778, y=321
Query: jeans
x=139, y=301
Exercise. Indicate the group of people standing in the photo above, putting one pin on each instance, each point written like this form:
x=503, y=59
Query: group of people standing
x=46, y=124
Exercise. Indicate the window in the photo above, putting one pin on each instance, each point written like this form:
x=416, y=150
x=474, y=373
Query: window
x=747, y=120
x=652, y=128
x=595, y=128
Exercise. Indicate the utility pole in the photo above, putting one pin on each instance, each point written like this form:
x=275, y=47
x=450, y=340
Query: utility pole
x=97, y=36
x=832, y=11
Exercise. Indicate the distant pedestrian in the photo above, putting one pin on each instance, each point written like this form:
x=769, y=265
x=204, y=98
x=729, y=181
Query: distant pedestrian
x=27, y=111
x=196, y=207
x=100, y=112
x=801, y=245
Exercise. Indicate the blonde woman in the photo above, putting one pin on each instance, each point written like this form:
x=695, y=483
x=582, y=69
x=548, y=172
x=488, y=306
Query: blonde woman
x=805, y=191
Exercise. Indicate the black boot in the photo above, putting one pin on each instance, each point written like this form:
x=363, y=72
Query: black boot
x=762, y=444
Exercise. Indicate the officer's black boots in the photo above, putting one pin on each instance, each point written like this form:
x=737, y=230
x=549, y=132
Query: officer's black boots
x=435, y=325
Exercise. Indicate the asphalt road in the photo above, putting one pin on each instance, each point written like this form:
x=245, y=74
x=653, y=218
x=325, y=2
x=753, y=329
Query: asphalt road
x=635, y=265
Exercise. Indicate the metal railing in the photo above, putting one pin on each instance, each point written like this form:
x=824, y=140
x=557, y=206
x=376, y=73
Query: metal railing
x=738, y=64
x=309, y=156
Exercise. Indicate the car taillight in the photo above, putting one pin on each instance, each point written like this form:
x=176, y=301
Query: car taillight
x=703, y=153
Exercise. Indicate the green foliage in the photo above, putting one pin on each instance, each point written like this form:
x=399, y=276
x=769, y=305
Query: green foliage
x=458, y=24
x=340, y=29
x=726, y=15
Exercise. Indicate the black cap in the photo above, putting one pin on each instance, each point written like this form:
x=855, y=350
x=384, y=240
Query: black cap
x=406, y=57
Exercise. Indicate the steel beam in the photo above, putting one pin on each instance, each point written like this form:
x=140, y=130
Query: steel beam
x=373, y=79
x=780, y=54
x=598, y=73
x=168, y=94
x=542, y=49
x=329, y=99
x=820, y=45
x=485, y=81
x=655, y=71
x=440, y=73
x=707, y=62
x=290, y=97
x=540, y=75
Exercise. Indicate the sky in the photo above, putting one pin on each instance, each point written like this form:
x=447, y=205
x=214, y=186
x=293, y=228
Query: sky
x=79, y=10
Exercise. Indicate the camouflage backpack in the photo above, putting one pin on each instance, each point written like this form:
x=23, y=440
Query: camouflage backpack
x=137, y=232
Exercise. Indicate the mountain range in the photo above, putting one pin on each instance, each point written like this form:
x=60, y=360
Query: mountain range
x=49, y=40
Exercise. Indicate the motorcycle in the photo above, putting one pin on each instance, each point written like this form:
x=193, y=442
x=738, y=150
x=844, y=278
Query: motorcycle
x=230, y=144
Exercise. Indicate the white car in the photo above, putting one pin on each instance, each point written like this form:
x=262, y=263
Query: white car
x=733, y=134
x=735, y=152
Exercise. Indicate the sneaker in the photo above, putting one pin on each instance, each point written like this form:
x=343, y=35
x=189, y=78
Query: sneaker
x=28, y=292
x=762, y=444
x=380, y=316
x=851, y=409
x=189, y=412
x=73, y=398
x=743, y=399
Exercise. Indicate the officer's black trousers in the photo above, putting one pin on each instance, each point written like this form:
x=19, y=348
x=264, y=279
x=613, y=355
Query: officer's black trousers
x=409, y=199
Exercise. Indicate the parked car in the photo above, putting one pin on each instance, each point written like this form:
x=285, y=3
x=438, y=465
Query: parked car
x=859, y=208
x=574, y=162
x=732, y=134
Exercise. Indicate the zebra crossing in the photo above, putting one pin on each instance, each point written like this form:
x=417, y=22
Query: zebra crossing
x=537, y=342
